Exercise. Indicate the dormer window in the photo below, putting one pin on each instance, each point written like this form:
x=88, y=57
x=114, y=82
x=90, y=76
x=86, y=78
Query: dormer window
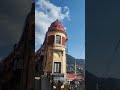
x=58, y=39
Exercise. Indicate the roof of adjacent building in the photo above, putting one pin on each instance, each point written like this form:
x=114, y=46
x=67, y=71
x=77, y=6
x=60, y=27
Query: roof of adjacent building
x=73, y=76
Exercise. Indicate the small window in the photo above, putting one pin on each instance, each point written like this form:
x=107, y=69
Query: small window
x=51, y=39
x=57, y=67
x=58, y=39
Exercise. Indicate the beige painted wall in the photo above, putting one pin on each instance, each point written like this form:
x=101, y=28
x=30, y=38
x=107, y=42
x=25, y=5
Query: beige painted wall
x=57, y=55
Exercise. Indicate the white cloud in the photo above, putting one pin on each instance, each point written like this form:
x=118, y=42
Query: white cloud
x=45, y=14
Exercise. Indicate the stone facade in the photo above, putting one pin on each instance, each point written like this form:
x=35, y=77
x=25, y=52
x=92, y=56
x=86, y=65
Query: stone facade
x=19, y=67
x=55, y=50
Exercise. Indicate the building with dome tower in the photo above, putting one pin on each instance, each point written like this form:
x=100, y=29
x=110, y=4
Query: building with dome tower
x=53, y=52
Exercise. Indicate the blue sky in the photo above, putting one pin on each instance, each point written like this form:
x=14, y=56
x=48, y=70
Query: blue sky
x=71, y=14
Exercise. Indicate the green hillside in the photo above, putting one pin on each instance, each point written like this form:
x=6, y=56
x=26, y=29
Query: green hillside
x=71, y=60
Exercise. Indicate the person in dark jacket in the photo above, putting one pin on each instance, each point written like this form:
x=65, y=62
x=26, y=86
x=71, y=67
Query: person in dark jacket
x=59, y=84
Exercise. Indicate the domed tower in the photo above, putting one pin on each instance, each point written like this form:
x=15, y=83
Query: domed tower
x=55, y=56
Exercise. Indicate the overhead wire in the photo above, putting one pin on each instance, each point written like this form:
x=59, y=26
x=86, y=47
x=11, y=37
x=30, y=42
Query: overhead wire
x=82, y=50
x=110, y=60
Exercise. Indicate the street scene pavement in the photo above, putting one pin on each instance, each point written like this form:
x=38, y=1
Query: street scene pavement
x=43, y=82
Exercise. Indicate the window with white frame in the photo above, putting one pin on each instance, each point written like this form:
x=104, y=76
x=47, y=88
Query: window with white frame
x=57, y=67
x=58, y=39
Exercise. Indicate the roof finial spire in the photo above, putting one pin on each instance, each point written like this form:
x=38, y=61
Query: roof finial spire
x=57, y=20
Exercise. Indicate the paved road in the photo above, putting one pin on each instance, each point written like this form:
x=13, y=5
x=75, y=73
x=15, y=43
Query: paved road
x=45, y=85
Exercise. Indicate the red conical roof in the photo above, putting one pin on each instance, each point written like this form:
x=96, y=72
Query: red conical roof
x=57, y=25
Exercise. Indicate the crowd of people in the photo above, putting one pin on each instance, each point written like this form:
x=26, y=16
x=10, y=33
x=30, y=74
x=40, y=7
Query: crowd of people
x=76, y=85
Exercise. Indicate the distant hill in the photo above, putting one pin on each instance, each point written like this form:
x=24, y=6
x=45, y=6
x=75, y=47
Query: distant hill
x=92, y=82
x=71, y=60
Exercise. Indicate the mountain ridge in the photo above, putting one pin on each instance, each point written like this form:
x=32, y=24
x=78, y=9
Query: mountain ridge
x=71, y=60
